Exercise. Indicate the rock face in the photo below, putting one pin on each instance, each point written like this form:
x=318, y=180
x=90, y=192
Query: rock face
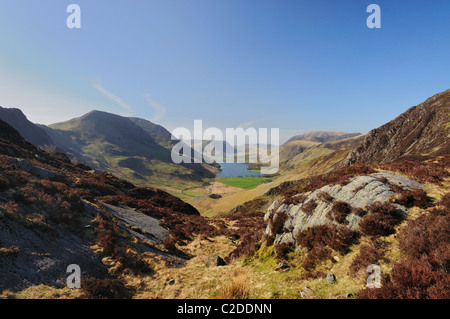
x=359, y=193
x=422, y=131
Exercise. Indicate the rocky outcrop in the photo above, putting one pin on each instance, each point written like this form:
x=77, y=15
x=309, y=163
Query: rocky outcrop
x=138, y=224
x=359, y=193
x=40, y=172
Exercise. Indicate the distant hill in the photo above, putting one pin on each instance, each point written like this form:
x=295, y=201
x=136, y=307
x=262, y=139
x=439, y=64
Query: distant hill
x=420, y=133
x=322, y=137
x=299, y=144
x=27, y=129
x=127, y=147
x=313, y=153
x=293, y=148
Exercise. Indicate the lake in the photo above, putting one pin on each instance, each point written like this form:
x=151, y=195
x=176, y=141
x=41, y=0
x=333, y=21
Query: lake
x=235, y=170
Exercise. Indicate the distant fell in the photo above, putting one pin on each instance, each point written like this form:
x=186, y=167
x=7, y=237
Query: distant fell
x=27, y=129
x=107, y=126
x=322, y=137
x=133, y=149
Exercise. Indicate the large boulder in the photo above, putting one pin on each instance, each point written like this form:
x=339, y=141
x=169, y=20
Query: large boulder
x=359, y=193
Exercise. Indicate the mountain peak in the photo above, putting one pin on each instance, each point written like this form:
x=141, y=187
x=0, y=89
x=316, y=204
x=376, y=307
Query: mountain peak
x=97, y=113
x=107, y=126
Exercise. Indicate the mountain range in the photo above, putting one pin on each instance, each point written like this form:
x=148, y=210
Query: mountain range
x=132, y=148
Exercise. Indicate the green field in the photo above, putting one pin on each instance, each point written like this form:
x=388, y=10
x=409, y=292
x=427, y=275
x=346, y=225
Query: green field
x=246, y=182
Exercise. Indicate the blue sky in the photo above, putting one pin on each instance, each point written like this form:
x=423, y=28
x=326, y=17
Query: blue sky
x=295, y=65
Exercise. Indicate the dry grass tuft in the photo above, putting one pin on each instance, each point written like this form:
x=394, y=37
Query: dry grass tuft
x=238, y=288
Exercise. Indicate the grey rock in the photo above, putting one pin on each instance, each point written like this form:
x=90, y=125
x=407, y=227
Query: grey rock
x=214, y=260
x=348, y=295
x=331, y=279
x=286, y=238
x=271, y=209
x=399, y=180
x=150, y=227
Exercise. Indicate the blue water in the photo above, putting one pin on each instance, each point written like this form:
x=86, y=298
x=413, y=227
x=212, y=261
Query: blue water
x=235, y=170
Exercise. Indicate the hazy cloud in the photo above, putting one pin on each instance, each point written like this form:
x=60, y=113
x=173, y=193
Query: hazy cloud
x=118, y=100
x=248, y=124
x=159, y=109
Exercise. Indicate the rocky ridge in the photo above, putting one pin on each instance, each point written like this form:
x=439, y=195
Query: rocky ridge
x=420, y=133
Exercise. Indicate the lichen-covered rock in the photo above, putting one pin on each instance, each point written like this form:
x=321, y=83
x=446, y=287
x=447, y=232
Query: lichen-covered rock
x=398, y=180
x=359, y=193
